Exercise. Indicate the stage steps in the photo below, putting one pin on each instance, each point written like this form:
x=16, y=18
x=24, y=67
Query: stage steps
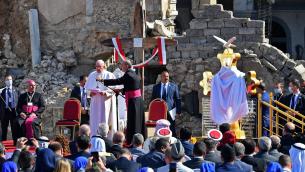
x=247, y=124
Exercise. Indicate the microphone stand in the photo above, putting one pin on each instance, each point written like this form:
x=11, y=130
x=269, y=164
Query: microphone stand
x=116, y=92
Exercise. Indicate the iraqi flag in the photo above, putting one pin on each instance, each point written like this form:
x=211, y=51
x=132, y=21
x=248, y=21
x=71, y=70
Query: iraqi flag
x=118, y=50
x=161, y=50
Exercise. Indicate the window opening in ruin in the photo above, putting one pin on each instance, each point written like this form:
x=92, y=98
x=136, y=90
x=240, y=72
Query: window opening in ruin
x=227, y=4
x=191, y=103
x=279, y=37
x=151, y=73
x=184, y=17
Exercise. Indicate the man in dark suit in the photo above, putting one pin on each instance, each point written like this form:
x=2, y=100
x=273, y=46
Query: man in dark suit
x=124, y=163
x=185, y=138
x=118, y=140
x=230, y=163
x=137, y=145
x=275, y=145
x=264, y=145
x=259, y=165
x=212, y=154
x=9, y=101
x=287, y=139
x=278, y=92
x=261, y=89
x=79, y=92
x=296, y=100
x=169, y=92
x=83, y=146
x=155, y=158
x=199, y=152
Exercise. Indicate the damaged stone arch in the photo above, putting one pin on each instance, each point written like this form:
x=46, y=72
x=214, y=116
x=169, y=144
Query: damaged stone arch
x=134, y=19
x=279, y=25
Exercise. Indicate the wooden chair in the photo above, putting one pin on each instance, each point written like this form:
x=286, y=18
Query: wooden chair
x=157, y=110
x=71, y=115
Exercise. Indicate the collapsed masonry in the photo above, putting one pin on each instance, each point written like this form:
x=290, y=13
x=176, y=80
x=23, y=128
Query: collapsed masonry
x=197, y=53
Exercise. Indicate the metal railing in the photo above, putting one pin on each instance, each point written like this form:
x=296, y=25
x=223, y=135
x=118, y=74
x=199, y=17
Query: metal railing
x=282, y=112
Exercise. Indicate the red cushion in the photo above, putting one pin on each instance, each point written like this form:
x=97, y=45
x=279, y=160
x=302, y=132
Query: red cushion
x=67, y=122
x=72, y=109
x=157, y=110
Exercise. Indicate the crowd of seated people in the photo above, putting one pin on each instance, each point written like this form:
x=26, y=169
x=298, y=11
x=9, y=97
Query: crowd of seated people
x=165, y=153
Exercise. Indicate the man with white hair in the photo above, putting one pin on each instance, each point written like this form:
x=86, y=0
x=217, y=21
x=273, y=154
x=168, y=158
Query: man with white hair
x=84, y=130
x=264, y=145
x=275, y=144
x=103, y=132
x=102, y=106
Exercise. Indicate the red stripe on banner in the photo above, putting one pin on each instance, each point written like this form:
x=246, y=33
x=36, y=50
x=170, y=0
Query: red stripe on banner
x=159, y=44
x=116, y=56
x=120, y=47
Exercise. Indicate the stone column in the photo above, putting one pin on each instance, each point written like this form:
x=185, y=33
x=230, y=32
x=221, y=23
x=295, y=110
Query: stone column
x=89, y=11
x=35, y=37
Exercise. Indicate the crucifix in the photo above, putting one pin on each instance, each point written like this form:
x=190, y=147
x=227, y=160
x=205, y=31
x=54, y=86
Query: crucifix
x=139, y=41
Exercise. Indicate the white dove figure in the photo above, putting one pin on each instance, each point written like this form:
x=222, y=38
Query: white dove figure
x=226, y=44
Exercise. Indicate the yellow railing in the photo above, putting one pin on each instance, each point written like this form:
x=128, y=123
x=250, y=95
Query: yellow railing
x=287, y=115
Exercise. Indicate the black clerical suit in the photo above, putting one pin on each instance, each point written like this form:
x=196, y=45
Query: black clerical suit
x=135, y=109
x=37, y=100
x=80, y=93
x=9, y=102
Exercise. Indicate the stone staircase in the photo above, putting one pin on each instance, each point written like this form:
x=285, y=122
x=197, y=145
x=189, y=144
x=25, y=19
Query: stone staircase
x=247, y=124
x=207, y=123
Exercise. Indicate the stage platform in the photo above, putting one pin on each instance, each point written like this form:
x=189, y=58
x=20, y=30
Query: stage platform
x=10, y=148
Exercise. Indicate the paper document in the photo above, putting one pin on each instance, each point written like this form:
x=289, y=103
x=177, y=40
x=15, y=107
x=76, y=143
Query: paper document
x=173, y=113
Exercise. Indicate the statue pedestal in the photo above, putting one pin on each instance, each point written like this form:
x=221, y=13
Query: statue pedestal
x=240, y=134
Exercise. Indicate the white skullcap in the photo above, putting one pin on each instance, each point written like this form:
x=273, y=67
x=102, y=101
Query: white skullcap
x=101, y=62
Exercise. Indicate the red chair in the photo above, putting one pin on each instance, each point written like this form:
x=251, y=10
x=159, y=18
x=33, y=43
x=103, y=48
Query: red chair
x=71, y=115
x=157, y=110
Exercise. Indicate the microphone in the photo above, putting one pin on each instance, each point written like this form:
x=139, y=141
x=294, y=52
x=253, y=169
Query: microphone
x=99, y=79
